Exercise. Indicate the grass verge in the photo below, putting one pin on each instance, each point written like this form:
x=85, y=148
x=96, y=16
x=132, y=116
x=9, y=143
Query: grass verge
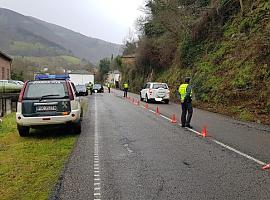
x=29, y=167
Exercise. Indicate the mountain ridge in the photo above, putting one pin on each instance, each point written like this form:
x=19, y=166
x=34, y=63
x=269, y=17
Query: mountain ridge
x=16, y=27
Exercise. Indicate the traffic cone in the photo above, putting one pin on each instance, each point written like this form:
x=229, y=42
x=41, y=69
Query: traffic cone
x=146, y=106
x=266, y=166
x=157, y=111
x=204, y=132
x=173, y=120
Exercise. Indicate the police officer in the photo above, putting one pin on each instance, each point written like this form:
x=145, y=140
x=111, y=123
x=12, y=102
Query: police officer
x=185, y=91
x=90, y=87
x=125, y=89
x=109, y=87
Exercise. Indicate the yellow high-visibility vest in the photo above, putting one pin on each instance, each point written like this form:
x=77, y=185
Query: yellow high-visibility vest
x=182, y=91
x=125, y=85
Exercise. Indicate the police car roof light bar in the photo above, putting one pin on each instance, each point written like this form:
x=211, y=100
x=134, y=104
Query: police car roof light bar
x=52, y=77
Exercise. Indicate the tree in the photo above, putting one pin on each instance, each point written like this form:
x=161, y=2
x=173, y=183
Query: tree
x=104, y=67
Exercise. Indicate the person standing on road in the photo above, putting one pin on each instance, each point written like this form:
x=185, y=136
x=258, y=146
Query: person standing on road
x=90, y=87
x=125, y=89
x=109, y=87
x=185, y=92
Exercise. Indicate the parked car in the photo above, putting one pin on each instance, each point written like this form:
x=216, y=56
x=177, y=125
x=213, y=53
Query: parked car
x=81, y=90
x=98, y=88
x=48, y=103
x=10, y=86
x=153, y=91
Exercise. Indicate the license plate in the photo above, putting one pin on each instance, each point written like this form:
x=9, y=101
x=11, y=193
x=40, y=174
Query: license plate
x=158, y=99
x=46, y=108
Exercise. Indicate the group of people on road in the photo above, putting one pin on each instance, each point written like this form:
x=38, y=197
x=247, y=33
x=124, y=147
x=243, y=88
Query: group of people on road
x=185, y=95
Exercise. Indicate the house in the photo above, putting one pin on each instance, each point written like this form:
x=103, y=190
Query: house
x=5, y=66
x=128, y=60
x=114, y=78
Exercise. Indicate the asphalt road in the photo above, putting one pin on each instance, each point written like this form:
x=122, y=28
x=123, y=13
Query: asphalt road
x=126, y=152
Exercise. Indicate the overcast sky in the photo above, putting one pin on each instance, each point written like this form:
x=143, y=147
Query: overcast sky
x=109, y=20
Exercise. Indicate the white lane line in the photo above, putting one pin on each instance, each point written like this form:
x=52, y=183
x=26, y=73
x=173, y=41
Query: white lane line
x=217, y=142
x=165, y=117
x=152, y=111
x=96, y=159
x=239, y=152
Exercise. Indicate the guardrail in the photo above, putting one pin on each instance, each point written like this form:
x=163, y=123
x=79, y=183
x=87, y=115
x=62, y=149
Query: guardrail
x=8, y=103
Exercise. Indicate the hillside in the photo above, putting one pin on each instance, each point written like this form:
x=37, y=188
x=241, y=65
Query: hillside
x=224, y=47
x=27, y=36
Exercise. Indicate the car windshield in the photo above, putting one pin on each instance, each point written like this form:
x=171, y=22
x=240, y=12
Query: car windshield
x=160, y=85
x=43, y=88
x=97, y=86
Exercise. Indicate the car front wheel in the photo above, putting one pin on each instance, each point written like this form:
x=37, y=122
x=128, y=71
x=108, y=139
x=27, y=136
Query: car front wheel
x=23, y=130
x=166, y=101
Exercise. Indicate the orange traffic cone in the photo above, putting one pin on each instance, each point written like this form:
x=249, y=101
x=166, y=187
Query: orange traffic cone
x=173, y=120
x=146, y=106
x=157, y=111
x=204, y=132
x=266, y=166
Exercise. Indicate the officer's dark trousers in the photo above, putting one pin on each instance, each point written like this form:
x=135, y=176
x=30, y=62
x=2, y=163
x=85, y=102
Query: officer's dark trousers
x=125, y=92
x=187, y=111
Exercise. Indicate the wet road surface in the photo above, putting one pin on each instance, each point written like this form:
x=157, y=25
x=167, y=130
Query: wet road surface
x=126, y=152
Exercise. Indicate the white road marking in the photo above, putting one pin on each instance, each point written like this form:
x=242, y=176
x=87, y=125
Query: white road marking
x=96, y=158
x=165, y=117
x=216, y=141
x=239, y=152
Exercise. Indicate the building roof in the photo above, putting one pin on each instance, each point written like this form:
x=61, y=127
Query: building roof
x=81, y=72
x=5, y=56
x=128, y=56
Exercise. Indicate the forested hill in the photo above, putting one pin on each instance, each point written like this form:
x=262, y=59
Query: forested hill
x=26, y=36
x=224, y=45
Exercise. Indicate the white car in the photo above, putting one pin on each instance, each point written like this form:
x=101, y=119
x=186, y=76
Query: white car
x=48, y=102
x=154, y=91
